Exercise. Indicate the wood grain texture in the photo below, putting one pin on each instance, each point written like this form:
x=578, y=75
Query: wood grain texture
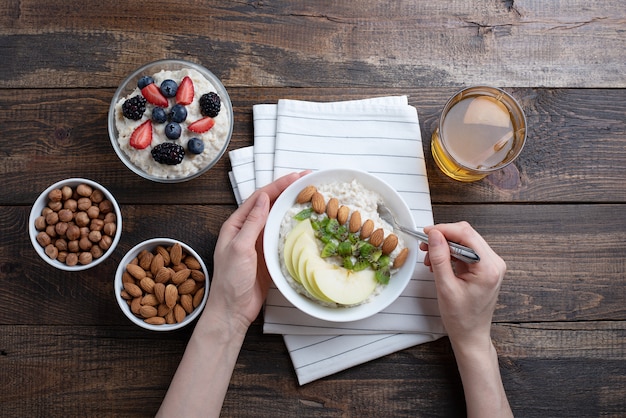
x=520, y=43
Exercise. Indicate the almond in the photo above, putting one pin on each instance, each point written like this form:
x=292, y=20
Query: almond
x=180, y=276
x=171, y=295
x=135, y=305
x=155, y=320
x=145, y=260
x=133, y=289
x=179, y=313
x=136, y=271
x=332, y=208
x=164, y=254
x=163, y=310
x=317, y=203
x=197, y=275
x=390, y=244
x=342, y=215
x=147, y=311
x=197, y=298
x=176, y=254
x=377, y=237
x=178, y=267
x=163, y=275
x=147, y=284
x=157, y=264
x=186, y=301
x=192, y=263
x=149, y=300
x=169, y=317
x=127, y=278
x=125, y=295
x=355, y=222
x=159, y=292
x=401, y=258
x=367, y=229
x=306, y=194
x=187, y=287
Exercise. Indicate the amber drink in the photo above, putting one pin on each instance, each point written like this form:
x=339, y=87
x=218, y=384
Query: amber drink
x=481, y=130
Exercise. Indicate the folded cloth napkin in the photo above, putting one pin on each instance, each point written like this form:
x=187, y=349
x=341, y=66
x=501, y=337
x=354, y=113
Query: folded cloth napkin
x=381, y=136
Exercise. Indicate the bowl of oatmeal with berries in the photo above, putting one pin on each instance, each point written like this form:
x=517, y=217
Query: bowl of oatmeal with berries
x=170, y=121
x=329, y=252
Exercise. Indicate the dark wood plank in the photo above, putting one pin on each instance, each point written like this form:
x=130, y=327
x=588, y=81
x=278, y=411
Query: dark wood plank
x=575, y=150
x=549, y=369
x=580, y=279
x=254, y=43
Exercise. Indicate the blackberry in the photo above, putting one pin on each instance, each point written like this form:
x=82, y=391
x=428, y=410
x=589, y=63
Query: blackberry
x=134, y=107
x=210, y=104
x=168, y=153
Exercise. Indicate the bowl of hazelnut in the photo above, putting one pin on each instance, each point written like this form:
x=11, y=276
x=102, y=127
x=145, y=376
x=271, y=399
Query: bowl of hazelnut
x=75, y=224
x=161, y=284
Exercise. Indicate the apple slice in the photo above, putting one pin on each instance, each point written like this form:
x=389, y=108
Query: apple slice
x=313, y=263
x=487, y=111
x=290, y=240
x=306, y=250
x=344, y=286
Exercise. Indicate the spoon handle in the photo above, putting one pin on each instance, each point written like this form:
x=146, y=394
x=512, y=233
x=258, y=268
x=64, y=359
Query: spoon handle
x=457, y=251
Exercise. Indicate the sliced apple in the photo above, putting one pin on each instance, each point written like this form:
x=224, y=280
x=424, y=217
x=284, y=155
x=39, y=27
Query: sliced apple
x=305, y=251
x=312, y=264
x=293, y=235
x=487, y=111
x=344, y=286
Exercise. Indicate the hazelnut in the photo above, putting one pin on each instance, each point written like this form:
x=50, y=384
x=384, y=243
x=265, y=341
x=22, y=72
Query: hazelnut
x=43, y=239
x=85, y=244
x=61, y=228
x=105, y=242
x=50, y=230
x=110, y=218
x=61, y=244
x=66, y=215
x=71, y=259
x=73, y=232
x=93, y=212
x=55, y=195
x=40, y=223
x=62, y=257
x=67, y=192
x=84, y=203
x=84, y=232
x=105, y=206
x=52, y=218
x=84, y=190
x=85, y=258
x=96, y=225
x=55, y=205
x=110, y=229
x=71, y=204
x=97, y=196
x=73, y=246
x=96, y=252
x=52, y=251
x=95, y=236
x=82, y=219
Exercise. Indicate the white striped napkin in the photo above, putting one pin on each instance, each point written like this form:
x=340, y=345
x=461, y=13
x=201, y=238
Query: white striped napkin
x=381, y=136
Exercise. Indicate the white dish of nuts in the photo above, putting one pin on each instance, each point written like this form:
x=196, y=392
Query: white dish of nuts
x=161, y=284
x=323, y=292
x=75, y=224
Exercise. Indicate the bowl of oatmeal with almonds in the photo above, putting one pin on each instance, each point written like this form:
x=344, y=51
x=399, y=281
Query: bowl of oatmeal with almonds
x=329, y=252
x=170, y=121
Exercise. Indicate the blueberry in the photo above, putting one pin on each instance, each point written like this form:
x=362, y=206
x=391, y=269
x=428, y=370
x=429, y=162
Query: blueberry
x=159, y=115
x=144, y=81
x=178, y=113
x=195, y=146
x=169, y=88
x=172, y=130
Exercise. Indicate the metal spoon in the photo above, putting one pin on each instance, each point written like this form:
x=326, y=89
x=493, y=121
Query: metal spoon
x=457, y=251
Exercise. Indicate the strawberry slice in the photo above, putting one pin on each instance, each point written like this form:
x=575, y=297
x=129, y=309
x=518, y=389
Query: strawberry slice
x=153, y=95
x=202, y=125
x=142, y=136
x=184, y=95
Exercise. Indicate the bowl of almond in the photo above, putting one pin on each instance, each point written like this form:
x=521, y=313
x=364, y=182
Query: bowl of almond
x=75, y=224
x=161, y=284
x=330, y=253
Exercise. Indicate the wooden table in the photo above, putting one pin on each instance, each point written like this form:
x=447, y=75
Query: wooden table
x=557, y=216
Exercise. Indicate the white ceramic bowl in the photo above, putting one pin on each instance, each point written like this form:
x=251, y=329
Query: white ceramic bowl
x=271, y=238
x=130, y=84
x=150, y=245
x=42, y=202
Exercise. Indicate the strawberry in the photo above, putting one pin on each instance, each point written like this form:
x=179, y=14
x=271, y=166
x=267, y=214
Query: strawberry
x=202, y=125
x=142, y=136
x=153, y=95
x=184, y=95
